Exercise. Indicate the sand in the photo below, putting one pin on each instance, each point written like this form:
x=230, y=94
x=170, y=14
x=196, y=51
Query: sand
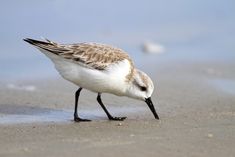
x=195, y=102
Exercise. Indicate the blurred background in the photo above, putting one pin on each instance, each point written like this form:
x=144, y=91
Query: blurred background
x=187, y=47
x=194, y=31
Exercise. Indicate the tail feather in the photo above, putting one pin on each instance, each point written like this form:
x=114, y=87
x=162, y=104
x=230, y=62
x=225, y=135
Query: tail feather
x=36, y=42
x=46, y=45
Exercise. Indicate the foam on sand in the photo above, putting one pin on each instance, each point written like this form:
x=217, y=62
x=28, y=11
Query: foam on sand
x=150, y=47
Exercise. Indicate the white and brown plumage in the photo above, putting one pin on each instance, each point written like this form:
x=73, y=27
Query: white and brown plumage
x=99, y=68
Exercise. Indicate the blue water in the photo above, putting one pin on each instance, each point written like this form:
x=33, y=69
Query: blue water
x=225, y=85
x=23, y=114
x=196, y=30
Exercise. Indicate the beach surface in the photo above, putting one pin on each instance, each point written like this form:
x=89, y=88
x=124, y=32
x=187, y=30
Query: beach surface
x=186, y=47
x=195, y=102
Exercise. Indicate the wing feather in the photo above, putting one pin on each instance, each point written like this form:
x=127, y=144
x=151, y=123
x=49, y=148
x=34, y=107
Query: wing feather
x=92, y=55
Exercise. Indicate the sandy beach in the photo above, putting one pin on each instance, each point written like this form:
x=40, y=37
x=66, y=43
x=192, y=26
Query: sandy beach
x=186, y=47
x=195, y=102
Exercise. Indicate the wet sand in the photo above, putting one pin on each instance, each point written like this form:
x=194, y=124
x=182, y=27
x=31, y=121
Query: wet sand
x=195, y=102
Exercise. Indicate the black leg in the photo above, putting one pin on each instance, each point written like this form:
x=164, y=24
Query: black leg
x=106, y=111
x=76, y=118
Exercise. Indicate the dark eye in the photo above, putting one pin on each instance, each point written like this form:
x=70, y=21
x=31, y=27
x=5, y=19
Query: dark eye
x=142, y=88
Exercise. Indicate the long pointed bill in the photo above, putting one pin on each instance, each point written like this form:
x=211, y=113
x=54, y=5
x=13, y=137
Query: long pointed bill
x=150, y=104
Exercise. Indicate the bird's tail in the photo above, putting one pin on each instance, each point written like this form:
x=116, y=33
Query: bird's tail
x=45, y=45
x=37, y=42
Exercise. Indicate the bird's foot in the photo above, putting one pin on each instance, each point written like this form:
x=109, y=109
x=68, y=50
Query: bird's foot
x=78, y=119
x=117, y=118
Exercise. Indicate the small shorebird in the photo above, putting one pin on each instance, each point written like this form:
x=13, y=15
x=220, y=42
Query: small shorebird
x=99, y=68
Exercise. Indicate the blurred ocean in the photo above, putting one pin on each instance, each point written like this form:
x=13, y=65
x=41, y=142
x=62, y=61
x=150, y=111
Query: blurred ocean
x=196, y=31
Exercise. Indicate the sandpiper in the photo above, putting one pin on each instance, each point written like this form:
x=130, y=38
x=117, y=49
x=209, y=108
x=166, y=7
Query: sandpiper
x=99, y=68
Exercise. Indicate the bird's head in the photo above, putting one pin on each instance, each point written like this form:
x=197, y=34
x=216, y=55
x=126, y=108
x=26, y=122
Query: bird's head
x=141, y=87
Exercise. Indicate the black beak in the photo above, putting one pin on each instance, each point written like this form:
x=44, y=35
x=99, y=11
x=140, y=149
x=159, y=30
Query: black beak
x=150, y=104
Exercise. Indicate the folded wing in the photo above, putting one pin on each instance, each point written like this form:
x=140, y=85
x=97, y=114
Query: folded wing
x=92, y=55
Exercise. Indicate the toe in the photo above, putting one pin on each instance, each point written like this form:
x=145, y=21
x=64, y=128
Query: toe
x=81, y=120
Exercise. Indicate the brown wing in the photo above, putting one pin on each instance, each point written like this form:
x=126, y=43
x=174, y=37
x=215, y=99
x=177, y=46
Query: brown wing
x=93, y=55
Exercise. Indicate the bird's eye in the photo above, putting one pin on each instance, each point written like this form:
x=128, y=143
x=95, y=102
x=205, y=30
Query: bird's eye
x=142, y=88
